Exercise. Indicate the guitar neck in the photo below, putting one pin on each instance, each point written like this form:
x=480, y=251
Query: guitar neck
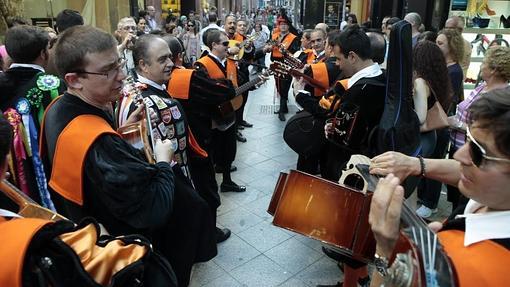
x=311, y=81
x=246, y=86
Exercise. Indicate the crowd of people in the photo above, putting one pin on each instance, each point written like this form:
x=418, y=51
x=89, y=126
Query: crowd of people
x=69, y=95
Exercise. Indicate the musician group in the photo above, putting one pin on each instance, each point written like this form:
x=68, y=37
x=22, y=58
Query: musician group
x=72, y=149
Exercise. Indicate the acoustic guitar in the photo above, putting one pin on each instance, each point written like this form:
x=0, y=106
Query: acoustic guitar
x=27, y=206
x=224, y=116
x=241, y=45
x=281, y=69
x=337, y=214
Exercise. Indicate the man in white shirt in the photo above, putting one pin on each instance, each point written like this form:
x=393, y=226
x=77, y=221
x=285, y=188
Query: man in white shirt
x=126, y=31
x=213, y=18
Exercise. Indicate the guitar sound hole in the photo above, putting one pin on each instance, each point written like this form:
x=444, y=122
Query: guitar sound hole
x=355, y=181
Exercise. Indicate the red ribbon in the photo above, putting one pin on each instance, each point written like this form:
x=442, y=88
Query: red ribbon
x=18, y=148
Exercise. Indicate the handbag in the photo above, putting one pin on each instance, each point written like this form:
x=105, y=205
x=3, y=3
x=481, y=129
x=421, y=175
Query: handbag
x=436, y=117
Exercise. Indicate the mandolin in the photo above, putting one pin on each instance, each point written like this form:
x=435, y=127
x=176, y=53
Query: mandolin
x=27, y=206
x=282, y=69
x=241, y=45
x=225, y=113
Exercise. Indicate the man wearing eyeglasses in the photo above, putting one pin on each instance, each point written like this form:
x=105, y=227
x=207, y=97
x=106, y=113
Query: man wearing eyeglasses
x=126, y=33
x=93, y=171
x=25, y=92
x=476, y=237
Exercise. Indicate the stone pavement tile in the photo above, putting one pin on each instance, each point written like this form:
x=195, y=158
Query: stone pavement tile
x=275, y=149
x=324, y=271
x=312, y=243
x=233, y=253
x=227, y=205
x=264, y=236
x=293, y=282
x=248, y=174
x=270, y=167
x=238, y=219
x=205, y=272
x=259, y=207
x=288, y=158
x=224, y=281
x=260, y=272
x=293, y=255
x=265, y=184
x=251, y=158
x=243, y=198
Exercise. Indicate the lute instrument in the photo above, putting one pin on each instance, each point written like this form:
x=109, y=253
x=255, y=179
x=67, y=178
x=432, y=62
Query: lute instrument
x=337, y=215
x=241, y=45
x=283, y=69
x=27, y=206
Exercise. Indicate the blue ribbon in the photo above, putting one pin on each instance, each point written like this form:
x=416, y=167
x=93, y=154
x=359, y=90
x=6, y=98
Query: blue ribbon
x=40, y=176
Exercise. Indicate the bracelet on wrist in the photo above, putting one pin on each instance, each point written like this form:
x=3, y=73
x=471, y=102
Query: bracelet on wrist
x=423, y=169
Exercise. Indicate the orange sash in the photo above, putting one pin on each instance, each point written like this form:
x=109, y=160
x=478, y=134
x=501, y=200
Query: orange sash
x=310, y=56
x=287, y=41
x=71, y=149
x=17, y=235
x=215, y=72
x=180, y=81
x=238, y=37
x=320, y=73
x=483, y=263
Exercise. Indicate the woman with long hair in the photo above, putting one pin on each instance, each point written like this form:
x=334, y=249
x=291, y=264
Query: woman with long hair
x=451, y=43
x=191, y=42
x=431, y=83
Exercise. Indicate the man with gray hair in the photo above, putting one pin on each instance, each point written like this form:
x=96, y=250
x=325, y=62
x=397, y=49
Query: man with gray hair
x=415, y=20
x=457, y=23
x=126, y=36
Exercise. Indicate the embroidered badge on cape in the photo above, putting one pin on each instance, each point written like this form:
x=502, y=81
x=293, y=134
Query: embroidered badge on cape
x=48, y=82
x=176, y=113
x=34, y=96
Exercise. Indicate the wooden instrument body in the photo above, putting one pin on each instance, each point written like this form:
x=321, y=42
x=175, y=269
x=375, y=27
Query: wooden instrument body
x=283, y=69
x=241, y=45
x=27, y=207
x=325, y=211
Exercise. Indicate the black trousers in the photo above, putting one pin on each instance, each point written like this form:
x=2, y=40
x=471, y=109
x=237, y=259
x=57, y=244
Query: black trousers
x=240, y=112
x=224, y=146
x=283, y=87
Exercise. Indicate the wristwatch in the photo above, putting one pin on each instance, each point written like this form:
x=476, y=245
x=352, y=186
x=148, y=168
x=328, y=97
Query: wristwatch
x=381, y=264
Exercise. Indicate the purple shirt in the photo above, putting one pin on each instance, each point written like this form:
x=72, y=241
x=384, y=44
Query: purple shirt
x=458, y=138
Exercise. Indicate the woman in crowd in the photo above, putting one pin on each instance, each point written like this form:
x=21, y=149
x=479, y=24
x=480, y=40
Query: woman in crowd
x=451, y=43
x=191, y=42
x=495, y=72
x=141, y=26
x=259, y=43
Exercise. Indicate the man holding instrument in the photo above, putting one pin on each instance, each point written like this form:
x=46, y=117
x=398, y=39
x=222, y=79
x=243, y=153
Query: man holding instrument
x=94, y=172
x=476, y=237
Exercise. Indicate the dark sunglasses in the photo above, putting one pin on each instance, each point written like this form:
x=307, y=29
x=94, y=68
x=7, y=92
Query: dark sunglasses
x=478, y=153
x=191, y=25
x=225, y=43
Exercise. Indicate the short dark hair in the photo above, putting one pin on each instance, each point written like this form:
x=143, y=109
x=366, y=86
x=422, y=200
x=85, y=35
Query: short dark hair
x=307, y=33
x=378, y=45
x=24, y=43
x=175, y=46
x=213, y=37
x=141, y=48
x=5, y=139
x=212, y=17
x=492, y=112
x=428, y=36
x=142, y=13
x=332, y=37
x=75, y=43
x=354, y=39
x=68, y=18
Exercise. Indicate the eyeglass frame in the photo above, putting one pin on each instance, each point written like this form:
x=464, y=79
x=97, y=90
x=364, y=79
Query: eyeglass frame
x=120, y=64
x=473, y=144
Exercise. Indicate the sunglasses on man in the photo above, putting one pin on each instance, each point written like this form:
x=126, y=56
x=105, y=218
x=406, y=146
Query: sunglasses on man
x=478, y=153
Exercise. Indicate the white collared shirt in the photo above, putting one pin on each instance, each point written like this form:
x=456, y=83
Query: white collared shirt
x=151, y=83
x=484, y=226
x=369, y=72
x=33, y=66
x=222, y=62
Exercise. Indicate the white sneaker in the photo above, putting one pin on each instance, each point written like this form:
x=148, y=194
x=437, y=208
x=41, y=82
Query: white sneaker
x=425, y=212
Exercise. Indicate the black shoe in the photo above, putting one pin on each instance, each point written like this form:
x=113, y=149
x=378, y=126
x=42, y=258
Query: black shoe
x=219, y=169
x=222, y=234
x=281, y=117
x=245, y=124
x=240, y=137
x=232, y=187
x=332, y=254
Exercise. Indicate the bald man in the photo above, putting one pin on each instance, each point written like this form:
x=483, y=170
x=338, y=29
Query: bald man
x=457, y=23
